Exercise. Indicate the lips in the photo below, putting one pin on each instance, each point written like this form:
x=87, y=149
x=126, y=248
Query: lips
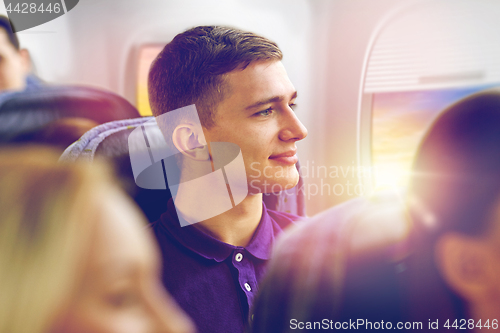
x=288, y=157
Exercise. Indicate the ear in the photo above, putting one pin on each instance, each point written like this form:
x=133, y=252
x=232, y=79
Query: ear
x=190, y=142
x=464, y=265
x=26, y=59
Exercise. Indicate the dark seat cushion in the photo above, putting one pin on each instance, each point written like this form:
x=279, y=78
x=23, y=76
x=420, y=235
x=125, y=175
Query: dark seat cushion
x=26, y=111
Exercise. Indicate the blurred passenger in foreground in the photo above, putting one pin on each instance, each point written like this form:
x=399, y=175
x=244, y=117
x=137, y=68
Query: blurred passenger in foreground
x=364, y=262
x=74, y=256
x=15, y=63
x=454, y=202
x=338, y=267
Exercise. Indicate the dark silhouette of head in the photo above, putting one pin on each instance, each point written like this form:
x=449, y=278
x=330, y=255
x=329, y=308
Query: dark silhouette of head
x=453, y=201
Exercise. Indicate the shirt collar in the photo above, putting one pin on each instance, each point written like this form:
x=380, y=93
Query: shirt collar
x=263, y=239
x=211, y=248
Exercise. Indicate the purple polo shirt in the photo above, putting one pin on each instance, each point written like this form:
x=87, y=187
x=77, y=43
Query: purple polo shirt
x=214, y=282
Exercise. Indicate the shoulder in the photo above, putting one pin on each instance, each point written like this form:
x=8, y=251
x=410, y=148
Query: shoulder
x=326, y=222
x=367, y=220
x=33, y=82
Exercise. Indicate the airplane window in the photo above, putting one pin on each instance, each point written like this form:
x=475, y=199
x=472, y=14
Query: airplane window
x=399, y=120
x=147, y=54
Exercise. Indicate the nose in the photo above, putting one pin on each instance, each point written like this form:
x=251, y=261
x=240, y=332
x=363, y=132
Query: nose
x=292, y=129
x=167, y=315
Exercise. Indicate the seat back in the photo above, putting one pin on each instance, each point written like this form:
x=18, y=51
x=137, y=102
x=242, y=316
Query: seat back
x=110, y=140
x=30, y=110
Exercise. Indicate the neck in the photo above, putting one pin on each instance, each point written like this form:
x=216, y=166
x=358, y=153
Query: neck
x=485, y=311
x=237, y=225
x=201, y=197
x=234, y=226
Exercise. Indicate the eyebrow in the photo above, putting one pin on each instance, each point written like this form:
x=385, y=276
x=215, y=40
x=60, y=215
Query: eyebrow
x=270, y=100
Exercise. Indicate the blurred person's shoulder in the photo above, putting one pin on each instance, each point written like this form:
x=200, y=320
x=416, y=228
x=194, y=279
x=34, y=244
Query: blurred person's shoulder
x=284, y=219
x=34, y=82
x=369, y=218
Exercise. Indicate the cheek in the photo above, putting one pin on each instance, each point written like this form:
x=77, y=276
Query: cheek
x=259, y=145
x=95, y=317
x=71, y=321
x=493, y=269
x=496, y=270
x=4, y=72
x=10, y=76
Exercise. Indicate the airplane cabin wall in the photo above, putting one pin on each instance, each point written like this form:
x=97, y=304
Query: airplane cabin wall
x=323, y=41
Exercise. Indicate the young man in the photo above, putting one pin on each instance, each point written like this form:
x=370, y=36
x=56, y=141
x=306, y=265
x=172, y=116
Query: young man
x=243, y=96
x=15, y=63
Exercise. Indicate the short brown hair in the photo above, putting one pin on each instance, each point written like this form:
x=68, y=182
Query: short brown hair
x=190, y=69
x=5, y=25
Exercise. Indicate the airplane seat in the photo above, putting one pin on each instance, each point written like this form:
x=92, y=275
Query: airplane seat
x=110, y=140
x=25, y=112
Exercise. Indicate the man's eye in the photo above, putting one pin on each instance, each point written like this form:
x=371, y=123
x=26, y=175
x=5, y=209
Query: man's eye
x=292, y=106
x=265, y=113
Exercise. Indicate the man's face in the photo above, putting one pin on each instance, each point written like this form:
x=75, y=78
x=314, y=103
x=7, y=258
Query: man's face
x=14, y=65
x=257, y=115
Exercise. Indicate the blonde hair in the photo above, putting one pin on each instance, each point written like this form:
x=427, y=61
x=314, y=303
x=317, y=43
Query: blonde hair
x=47, y=216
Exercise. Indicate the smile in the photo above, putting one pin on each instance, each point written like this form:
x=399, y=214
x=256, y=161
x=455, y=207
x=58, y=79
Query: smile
x=288, y=157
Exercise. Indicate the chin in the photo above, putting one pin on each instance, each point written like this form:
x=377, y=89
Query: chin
x=271, y=185
x=291, y=183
